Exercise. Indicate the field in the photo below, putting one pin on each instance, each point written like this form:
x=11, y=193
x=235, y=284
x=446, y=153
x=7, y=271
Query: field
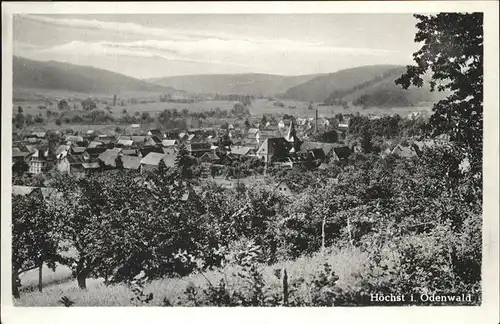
x=346, y=263
x=31, y=99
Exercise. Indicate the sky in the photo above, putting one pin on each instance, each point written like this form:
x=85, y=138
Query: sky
x=148, y=46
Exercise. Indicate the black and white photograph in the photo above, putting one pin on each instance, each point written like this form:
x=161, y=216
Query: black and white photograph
x=204, y=159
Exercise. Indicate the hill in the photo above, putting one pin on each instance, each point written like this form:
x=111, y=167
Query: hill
x=319, y=89
x=53, y=75
x=381, y=91
x=255, y=84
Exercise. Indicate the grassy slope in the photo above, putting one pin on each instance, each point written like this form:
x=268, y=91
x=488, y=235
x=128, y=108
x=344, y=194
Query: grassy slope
x=346, y=263
x=253, y=84
x=63, y=76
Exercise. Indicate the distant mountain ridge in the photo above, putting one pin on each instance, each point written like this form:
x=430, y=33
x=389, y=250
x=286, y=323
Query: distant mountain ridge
x=256, y=84
x=65, y=76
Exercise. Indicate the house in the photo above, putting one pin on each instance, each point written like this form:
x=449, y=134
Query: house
x=152, y=162
x=19, y=156
x=77, y=150
x=72, y=139
x=94, y=144
x=169, y=160
x=168, y=142
x=149, y=149
x=404, y=151
x=276, y=146
x=42, y=161
x=110, y=158
x=283, y=188
x=138, y=140
x=240, y=150
x=107, y=139
x=38, y=135
x=131, y=162
x=92, y=153
x=198, y=149
x=71, y=164
x=327, y=148
x=130, y=152
x=125, y=142
x=23, y=190
x=151, y=141
x=155, y=132
x=170, y=151
x=341, y=153
x=91, y=167
x=210, y=157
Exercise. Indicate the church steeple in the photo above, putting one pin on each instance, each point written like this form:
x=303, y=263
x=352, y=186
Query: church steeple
x=291, y=137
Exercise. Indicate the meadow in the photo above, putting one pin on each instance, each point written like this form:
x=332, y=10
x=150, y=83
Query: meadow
x=346, y=263
x=32, y=99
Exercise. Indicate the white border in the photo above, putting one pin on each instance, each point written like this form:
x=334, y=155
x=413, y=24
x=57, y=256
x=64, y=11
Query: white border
x=487, y=313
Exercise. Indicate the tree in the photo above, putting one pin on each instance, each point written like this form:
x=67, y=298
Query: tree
x=183, y=162
x=19, y=168
x=34, y=241
x=88, y=104
x=19, y=120
x=452, y=51
x=78, y=213
x=63, y=105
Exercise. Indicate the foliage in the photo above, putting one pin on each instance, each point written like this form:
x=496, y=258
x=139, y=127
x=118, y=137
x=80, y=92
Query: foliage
x=34, y=236
x=452, y=51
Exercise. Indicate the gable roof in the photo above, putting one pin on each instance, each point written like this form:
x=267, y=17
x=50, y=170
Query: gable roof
x=326, y=147
x=138, y=139
x=91, y=165
x=153, y=158
x=404, y=151
x=210, y=156
x=16, y=152
x=125, y=142
x=131, y=162
x=77, y=149
x=342, y=152
x=240, y=150
x=129, y=152
x=169, y=142
x=271, y=144
x=95, y=151
x=74, y=139
x=94, y=144
x=169, y=160
x=109, y=157
x=199, y=146
x=22, y=190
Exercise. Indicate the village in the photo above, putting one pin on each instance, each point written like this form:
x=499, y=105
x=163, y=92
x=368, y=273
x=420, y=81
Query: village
x=224, y=154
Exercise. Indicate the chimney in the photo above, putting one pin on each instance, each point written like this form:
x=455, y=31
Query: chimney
x=316, y=129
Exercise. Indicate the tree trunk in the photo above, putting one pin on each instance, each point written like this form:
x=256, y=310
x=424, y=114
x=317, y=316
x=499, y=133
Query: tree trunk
x=40, y=268
x=323, y=234
x=81, y=276
x=349, y=230
x=82, y=280
x=15, y=284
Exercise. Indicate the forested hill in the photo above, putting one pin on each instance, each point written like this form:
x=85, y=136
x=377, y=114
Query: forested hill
x=64, y=76
x=364, y=86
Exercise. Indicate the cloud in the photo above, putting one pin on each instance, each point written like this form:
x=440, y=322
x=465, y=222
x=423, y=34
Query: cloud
x=182, y=40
